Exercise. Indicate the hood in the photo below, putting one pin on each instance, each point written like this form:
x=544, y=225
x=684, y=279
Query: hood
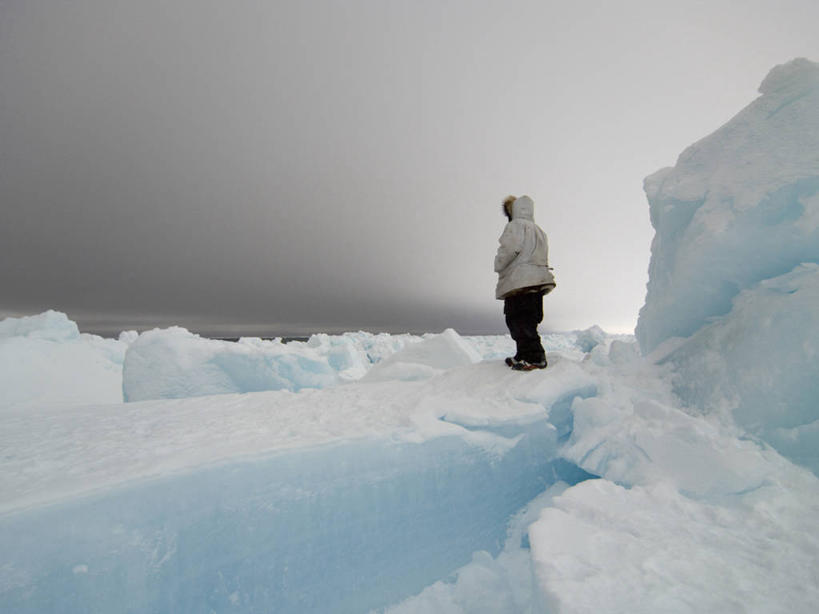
x=523, y=209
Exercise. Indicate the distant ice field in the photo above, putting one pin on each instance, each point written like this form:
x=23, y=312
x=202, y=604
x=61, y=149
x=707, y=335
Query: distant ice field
x=433, y=479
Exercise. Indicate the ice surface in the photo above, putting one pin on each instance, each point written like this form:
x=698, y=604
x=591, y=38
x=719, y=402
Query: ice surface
x=739, y=207
x=174, y=363
x=487, y=585
x=368, y=348
x=356, y=496
x=343, y=529
x=759, y=362
x=45, y=360
x=605, y=548
x=61, y=366
x=51, y=325
x=425, y=359
x=687, y=516
x=631, y=433
x=734, y=275
x=588, y=339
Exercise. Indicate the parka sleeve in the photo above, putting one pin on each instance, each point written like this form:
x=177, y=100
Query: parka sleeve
x=510, y=244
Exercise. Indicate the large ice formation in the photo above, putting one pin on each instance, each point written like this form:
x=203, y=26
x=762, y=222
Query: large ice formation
x=734, y=266
x=740, y=206
x=174, y=363
x=44, y=359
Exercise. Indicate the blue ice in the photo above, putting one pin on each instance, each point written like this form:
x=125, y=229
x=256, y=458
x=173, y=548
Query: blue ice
x=341, y=528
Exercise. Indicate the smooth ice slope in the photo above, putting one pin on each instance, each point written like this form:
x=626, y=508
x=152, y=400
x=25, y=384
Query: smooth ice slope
x=740, y=206
x=338, y=529
x=44, y=359
x=734, y=269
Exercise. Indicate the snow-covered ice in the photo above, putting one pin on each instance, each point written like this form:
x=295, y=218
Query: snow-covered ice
x=740, y=206
x=417, y=474
x=602, y=547
x=425, y=359
x=44, y=359
x=441, y=494
x=174, y=363
x=734, y=273
x=357, y=495
x=759, y=362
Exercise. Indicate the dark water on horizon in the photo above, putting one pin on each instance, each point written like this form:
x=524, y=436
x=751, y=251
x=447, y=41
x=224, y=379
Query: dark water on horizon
x=284, y=339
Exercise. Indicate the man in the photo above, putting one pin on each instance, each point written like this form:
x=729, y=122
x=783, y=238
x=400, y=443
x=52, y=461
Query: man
x=524, y=276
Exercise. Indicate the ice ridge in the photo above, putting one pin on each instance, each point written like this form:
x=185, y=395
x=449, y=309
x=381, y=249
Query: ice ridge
x=740, y=206
x=734, y=267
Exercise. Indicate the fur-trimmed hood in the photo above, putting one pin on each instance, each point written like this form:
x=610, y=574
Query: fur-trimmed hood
x=522, y=208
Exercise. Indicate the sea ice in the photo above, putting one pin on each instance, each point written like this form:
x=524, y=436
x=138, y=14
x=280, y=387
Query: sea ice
x=602, y=547
x=174, y=363
x=759, y=362
x=734, y=273
x=44, y=359
x=351, y=497
x=431, y=356
x=740, y=206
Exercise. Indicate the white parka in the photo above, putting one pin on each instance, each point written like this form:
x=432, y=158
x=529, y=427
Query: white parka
x=522, y=260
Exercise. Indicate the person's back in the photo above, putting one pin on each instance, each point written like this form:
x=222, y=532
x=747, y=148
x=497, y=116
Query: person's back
x=524, y=276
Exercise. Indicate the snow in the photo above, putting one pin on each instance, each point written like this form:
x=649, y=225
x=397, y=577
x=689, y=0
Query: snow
x=416, y=474
x=465, y=491
x=44, y=359
x=425, y=359
x=487, y=585
x=101, y=446
x=174, y=363
x=604, y=548
x=758, y=363
x=734, y=274
x=320, y=487
x=588, y=339
x=739, y=207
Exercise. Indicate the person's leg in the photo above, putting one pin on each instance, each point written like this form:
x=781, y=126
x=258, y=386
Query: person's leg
x=523, y=313
x=511, y=309
x=530, y=315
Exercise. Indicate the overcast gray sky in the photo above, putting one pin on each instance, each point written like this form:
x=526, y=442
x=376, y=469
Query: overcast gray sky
x=270, y=167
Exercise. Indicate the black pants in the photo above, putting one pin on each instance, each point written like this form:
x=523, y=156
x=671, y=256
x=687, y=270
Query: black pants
x=523, y=313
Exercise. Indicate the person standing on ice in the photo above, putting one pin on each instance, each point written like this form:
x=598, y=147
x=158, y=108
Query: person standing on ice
x=524, y=276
